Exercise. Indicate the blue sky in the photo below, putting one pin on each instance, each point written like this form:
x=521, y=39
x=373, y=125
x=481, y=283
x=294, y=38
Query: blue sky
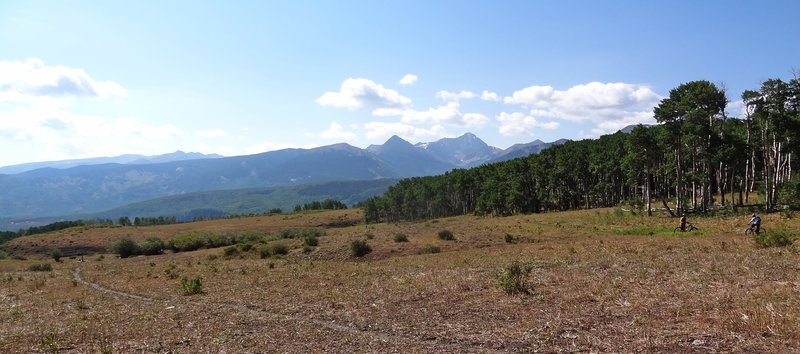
x=86, y=79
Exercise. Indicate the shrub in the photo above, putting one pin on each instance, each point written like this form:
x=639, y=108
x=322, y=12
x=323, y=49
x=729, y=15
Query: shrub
x=246, y=247
x=152, y=246
x=509, y=238
x=773, y=239
x=231, y=251
x=191, y=286
x=446, y=235
x=195, y=240
x=125, y=247
x=513, y=279
x=399, y=237
x=299, y=233
x=56, y=254
x=40, y=267
x=279, y=248
x=307, y=248
x=360, y=248
x=264, y=252
x=3, y=254
x=311, y=241
x=430, y=250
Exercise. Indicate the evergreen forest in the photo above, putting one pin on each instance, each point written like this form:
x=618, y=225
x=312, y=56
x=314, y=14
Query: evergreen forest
x=698, y=159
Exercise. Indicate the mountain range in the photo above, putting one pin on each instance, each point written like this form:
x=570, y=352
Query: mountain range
x=92, y=186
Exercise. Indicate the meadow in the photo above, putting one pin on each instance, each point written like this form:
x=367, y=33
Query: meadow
x=601, y=280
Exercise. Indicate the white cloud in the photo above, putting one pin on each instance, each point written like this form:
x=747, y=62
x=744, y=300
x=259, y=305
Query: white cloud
x=22, y=80
x=337, y=132
x=448, y=114
x=53, y=133
x=364, y=94
x=608, y=105
x=383, y=130
x=736, y=109
x=408, y=80
x=521, y=124
x=490, y=96
x=454, y=96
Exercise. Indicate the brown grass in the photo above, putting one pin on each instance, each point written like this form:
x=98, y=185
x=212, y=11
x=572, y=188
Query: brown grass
x=600, y=282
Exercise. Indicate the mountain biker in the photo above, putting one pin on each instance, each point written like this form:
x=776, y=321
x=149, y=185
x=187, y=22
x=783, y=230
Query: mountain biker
x=755, y=221
x=683, y=222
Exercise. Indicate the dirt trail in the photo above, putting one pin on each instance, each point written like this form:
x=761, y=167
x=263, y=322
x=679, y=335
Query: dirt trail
x=77, y=276
x=254, y=310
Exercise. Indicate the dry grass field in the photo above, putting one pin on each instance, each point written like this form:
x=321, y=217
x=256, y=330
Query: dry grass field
x=598, y=281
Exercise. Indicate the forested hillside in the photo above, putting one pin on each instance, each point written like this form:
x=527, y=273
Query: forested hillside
x=696, y=154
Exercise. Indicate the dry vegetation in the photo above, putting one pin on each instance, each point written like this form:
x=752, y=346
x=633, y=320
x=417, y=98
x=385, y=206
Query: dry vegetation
x=599, y=281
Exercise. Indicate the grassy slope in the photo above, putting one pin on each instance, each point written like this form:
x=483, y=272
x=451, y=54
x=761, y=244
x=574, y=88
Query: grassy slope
x=599, y=282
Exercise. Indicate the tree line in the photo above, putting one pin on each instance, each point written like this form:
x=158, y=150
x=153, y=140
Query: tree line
x=697, y=158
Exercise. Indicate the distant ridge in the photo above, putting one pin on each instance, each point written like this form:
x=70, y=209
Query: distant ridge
x=96, y=185
x=121, y=159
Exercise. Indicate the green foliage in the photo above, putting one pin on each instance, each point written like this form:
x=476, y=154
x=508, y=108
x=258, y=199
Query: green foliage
x=56, y=254
x=446, y=235
x=126, y=247
x=3, y=254
x=774, y=239
x=360, y=248
x=40, y=267
x=231, y=251
x=264, y=252
x=327, y=204
x=279, y=249
x=400, y=237
x=152, y=246
x=790, y=194
x=191, y=286
x=296, y=233
x=514, y=277
x=311, y=241
x=430, y=249
x=509, y=238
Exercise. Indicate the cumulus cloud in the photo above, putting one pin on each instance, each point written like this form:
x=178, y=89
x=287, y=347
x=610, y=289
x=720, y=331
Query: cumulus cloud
x=490, y=96
x=521, y=124
x=454, y=96
x=448, y=114
x=337, y=132
x=364, y=94
x=408, y=80
x=21, y=80
x=608, y=105
x=383, y=130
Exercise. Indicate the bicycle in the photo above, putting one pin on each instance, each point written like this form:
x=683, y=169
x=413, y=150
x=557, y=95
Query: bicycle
x=751, y=230
x=687, y=228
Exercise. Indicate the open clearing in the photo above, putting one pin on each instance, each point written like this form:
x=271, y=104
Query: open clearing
x=600, y=280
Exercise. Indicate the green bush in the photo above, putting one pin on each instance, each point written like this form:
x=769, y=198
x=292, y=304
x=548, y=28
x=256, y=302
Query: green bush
x=299, y=233
x=40, y=267
x=400, y=237
x=231, y=251
x=279, y=248
x=246, y=247
x=125, y=247
x=513, y=279
x=311, y=241
x=360, y=248
x=430, y=250
x=264, y=252
x=509, y=238
x=56, y=254
x=774, y=239
x=446, y=235
x=191, y=286
x=151, y=246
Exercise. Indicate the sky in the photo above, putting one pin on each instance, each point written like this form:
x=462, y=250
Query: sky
x=83, y=79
